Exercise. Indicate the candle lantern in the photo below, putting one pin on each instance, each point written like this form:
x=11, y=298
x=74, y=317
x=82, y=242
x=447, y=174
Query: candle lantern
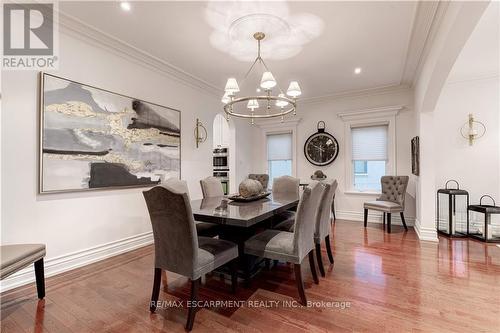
x=484, y=221
x=452, y=217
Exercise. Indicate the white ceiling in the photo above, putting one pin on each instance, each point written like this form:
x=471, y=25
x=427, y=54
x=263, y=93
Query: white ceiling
x=480, y=56
x=371, y=35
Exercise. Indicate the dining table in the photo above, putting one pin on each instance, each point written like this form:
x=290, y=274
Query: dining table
x=241, y=220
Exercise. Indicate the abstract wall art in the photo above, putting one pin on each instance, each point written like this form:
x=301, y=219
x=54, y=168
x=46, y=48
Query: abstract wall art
x=92, y=138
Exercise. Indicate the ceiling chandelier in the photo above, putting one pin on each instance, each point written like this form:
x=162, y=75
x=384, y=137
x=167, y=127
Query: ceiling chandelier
x=271, y=105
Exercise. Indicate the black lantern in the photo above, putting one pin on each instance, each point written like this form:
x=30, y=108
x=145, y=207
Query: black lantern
x=452, y=217
x=484, y=221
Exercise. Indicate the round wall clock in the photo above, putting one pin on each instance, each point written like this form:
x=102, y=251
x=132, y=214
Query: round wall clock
x=321, y=148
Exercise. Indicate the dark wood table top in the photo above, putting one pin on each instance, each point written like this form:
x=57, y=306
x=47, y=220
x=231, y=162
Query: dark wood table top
x=221, y=210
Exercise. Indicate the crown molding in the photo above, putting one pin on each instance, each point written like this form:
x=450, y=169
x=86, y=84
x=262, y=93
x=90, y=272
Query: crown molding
x=386, y=111
x=424, y=17
x=427, y=22
x=87, y=33
x=376, y=91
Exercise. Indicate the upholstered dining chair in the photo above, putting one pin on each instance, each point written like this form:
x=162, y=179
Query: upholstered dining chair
x=391, y=201
x=211, y=187
x=263, y=178
x=202, y=228
x=322, y=224
x=293, y=246
x=177, y=247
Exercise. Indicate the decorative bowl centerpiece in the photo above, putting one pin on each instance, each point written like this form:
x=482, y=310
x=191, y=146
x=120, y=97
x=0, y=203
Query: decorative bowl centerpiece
x=249, y=190
x=318, y=175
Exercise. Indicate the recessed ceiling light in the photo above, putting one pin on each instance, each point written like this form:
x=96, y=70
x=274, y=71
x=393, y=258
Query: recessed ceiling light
x=357, y=70
x=257, y=90
x=125, y=6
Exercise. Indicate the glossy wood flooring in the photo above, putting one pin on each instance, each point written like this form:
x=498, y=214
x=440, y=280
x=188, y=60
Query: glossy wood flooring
x=393, y=283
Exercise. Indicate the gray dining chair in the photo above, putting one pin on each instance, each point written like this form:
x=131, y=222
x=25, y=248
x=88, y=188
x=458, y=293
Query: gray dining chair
x=263, y=178
x=292, y=246
x=202, y=228
x=211, y=187
x=391, y=201
x=178, y=248
x=322, y=224
x=15, y=257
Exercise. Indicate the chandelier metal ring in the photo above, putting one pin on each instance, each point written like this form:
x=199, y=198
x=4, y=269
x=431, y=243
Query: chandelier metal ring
x=283, y=105
x=228, y=107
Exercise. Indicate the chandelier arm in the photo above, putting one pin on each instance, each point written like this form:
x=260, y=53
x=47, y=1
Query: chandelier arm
x=251, y=67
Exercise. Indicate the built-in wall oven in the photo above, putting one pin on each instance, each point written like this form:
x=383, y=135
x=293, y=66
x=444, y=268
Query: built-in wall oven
x=221, y=167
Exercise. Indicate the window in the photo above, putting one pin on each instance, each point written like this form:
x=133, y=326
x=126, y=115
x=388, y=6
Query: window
x=369, y=156
x=279, y=155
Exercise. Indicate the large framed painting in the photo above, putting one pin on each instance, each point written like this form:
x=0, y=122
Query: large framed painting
x=91, y=138
x=415, y=156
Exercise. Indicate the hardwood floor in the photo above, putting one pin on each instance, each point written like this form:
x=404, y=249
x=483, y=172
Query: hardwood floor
x=392, y=283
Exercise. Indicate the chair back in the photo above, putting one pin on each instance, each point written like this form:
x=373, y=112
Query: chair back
x=323, y=224
x=174, y=230
x=394, y=189
x=263, y=178
x=286, y=185
x=306, y=217
x=176, y=185
x=211, y=187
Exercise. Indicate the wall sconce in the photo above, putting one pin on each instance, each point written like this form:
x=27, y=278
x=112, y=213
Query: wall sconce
x=200, y=133
x=472, y=129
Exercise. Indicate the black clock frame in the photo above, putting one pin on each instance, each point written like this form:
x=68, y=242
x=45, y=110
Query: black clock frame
x=323, y=132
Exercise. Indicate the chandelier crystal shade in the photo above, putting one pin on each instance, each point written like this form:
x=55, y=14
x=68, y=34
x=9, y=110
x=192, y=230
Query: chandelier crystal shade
x=272, y=105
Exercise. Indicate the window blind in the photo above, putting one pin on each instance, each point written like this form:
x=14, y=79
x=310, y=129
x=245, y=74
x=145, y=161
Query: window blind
x=279, y=146
x=369, y=143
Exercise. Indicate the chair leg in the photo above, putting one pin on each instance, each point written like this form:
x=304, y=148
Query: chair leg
x=40, y=278
x=389, y=223
x=383, y=220
x=366, y=217
x=195, y=285
x=333, y=210
x=156, y=289
x=234, y=276
x=313, y=267
x=320, y=260
x=403, y=220
x=300, y=284
x=267, y=263
x=329, y=249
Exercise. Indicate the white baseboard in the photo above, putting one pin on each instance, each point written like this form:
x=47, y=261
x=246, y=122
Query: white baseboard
x=425, y=234
x=373, y=217
x=64, y=263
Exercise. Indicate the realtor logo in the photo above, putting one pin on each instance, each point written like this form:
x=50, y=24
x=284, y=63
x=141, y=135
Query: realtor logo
x=29, y=36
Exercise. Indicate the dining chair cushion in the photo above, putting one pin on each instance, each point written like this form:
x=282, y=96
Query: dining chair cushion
x=202, y=228
x=17, y=256
x=273, y=244
x=384, y=206
x=213, y=253
x=211, y=187
x=263, y=178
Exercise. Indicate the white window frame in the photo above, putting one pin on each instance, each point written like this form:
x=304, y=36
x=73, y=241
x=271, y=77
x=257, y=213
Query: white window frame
x=364, y=118
x=277, y=127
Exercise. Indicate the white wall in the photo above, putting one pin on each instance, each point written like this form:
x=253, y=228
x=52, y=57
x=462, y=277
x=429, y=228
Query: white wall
x=350, y=206
x=71, y=223
x=477, y=167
